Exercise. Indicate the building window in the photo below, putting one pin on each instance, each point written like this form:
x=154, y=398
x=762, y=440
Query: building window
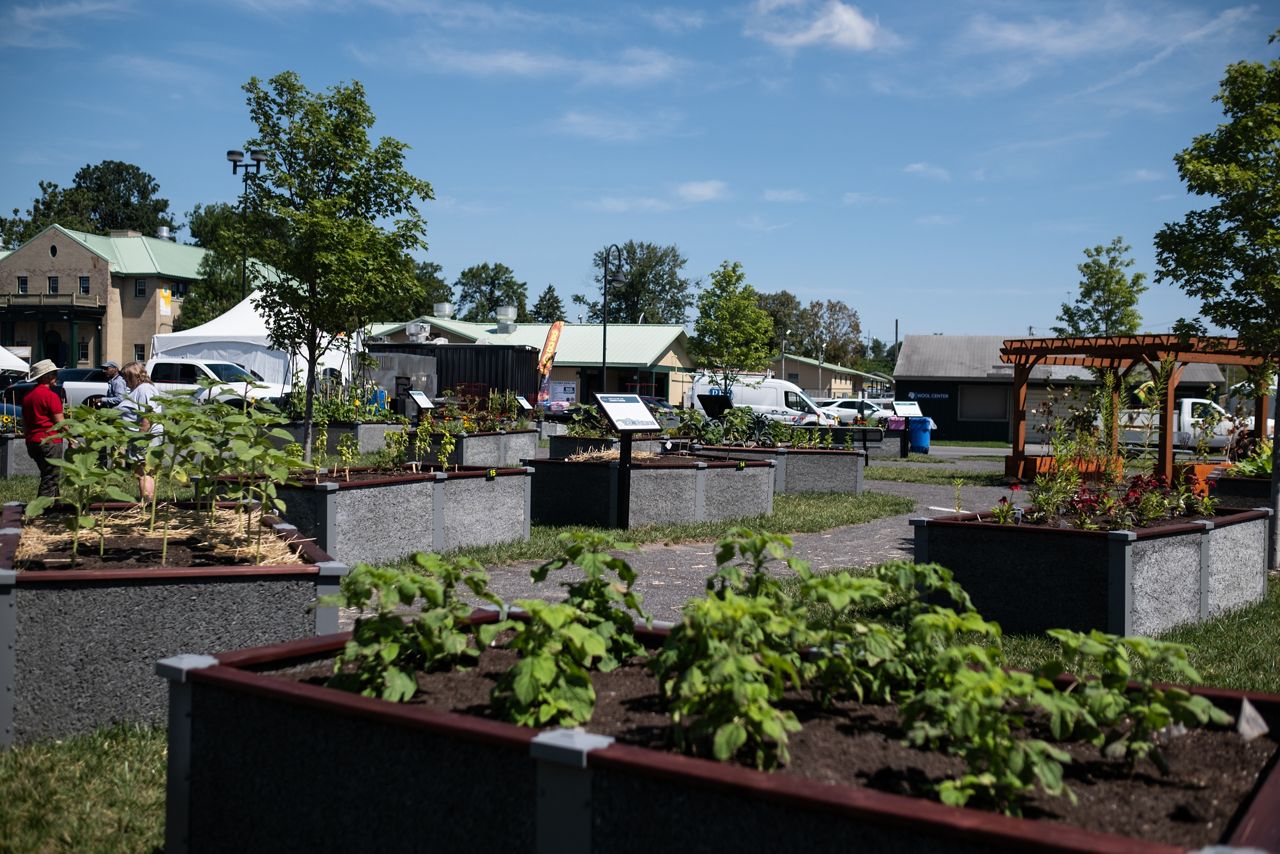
x=182, y=288
x=984, y=403
x=53, y=284
x=139, y=287
x=22, y=284
x=139, y=352
x=84, y=351
x=84, y=285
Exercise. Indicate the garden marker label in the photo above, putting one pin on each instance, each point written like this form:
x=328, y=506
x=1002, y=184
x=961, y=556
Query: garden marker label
x=420, y=398
x=627, y=412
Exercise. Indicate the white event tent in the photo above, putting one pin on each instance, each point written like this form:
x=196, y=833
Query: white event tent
x=10, y=363
x=240, y=336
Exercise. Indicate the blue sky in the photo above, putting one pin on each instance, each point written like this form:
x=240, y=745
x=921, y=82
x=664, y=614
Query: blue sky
x=939, y=163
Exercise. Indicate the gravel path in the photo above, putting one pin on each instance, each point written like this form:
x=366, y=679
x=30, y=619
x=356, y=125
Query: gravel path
x=670, y=575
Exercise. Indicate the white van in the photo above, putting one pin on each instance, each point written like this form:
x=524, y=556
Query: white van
x=771, y=397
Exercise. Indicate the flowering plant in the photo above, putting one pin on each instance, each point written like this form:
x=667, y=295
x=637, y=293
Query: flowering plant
x=1142, y=501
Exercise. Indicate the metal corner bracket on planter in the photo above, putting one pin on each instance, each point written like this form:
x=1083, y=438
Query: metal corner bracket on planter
x=509, y=788
x=1030, y=578
x=803, y=469
x=77, y=647
x=382, y=519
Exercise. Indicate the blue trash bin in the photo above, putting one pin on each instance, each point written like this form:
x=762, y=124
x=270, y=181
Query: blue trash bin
x=378, y=398
x=918, y=434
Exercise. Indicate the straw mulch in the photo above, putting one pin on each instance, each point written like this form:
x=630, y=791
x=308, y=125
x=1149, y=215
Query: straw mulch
x=604, y=455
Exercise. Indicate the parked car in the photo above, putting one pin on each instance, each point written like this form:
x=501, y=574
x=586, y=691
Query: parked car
x=233, y=381
x=74, y=385
x=850, y=410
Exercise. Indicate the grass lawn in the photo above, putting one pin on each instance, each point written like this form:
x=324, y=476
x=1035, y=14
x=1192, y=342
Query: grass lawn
x=98, y=792
x=930, y=474
x=793, y=513
x=21, y=488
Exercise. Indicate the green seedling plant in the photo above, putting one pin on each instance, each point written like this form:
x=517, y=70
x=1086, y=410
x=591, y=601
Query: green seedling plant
x=255, y=463
x=386, y=649
x=320, y=445
x=444, y=449
x=550, y=684
x=396, y=452
x=84, y=480
x=604, y=596
x=348, y=452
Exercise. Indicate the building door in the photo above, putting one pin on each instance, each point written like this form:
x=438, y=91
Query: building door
x=54, y=348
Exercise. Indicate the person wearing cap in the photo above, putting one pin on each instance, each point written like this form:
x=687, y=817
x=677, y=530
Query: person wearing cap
x=41, y=414
x=117, y=388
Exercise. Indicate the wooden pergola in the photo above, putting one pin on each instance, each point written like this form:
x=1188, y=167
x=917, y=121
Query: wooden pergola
x=1121, y=354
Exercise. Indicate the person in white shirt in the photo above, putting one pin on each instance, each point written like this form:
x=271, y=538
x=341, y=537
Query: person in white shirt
x=138, y=406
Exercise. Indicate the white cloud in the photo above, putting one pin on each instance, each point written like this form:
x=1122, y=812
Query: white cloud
x=785, y=196
x=620, y=204
x=675, y=20
x=633, y=67
x=794, y=24
x=701, y=191
x=609, y=128
x=849, y=199
x=757, y=223
x=926, y=170
x=1142, y=175
x=43, y=25
x=937, y=219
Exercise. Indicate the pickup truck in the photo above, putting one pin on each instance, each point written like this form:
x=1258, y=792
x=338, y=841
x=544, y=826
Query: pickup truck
x=233, y=381
x=1190, y=417
x=75, y=386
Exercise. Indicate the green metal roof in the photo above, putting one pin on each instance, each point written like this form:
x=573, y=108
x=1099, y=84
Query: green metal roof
x=831, y=366
x=4, y=253
x=142, y=256
x=631, y=345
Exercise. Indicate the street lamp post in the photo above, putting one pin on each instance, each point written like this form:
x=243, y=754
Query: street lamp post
x=607, y=280
x=822, y=354
x=784, y=353
x=238, y=164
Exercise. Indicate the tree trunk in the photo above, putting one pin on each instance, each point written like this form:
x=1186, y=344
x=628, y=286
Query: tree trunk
x=313, y=357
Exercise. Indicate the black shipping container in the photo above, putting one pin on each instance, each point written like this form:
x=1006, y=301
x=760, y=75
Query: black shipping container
x=500, y=367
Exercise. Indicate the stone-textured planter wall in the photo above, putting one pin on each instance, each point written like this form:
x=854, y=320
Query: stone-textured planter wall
x=503, y=449
x=77, y=648
x=14, y=459
x=803, y=469
x=369, y=437
x=385, y=519
x=1030, y=578
x=504, y=788
x=683, y=490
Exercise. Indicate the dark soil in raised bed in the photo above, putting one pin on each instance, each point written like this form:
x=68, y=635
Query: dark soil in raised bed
x=1212, y=770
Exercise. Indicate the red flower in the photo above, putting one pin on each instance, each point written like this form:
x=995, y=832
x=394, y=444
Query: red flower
x=1015, y=487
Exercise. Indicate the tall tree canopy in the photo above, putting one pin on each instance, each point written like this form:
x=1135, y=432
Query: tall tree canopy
x=484, y=287
x=1108, y=300
x=790, y=323
x=214, y=227
x=731, y=334
x=832, y=330
x=339, y=217
x=549, y=308
x=652, y=287
x=431, y=289
x=110, y=194
x=1227, y=255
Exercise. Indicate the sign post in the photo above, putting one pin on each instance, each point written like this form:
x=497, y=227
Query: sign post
x=628, y=415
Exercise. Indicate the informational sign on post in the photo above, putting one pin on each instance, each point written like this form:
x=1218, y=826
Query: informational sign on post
x=627, y=413
x=524, y=404
x=908, y=408
x=420, y=398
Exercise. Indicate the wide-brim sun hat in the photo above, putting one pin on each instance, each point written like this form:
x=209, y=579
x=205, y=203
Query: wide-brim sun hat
x=41, y=368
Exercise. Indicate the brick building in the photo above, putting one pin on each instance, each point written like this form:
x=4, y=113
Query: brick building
x=80, y=299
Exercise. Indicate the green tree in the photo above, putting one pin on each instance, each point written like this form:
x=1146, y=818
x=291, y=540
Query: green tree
x=790, y=321
x=432, y=288
x=731, y=334
x=1225, y=254
x=1108, y=299
x=215, y=227
x=832, y=333
x=338, y=214
x=652, y=290
x=549, y=308
x=482, y=288
x=110, y=194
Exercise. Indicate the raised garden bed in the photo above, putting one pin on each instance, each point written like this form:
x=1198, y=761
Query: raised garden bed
x=504, y=448
x=803, y=469
x=1242, y=492
x=1030, y=578
x=664, y=490
x=14, y=459
x=377, y=517
x=1025, y=468
x=77, y=647
x=370, y=436
x=510, y=788
x=561, y=447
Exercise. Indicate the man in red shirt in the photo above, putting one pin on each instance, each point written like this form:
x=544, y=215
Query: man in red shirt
x=41, y=412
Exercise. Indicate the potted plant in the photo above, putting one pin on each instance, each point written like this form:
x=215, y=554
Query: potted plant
x=485, y=431
x=93, y=585
x=1137, y=556
x=766, y=718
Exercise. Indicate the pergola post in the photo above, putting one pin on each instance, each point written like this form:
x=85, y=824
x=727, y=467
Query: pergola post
x=1021, y=375
x=1260, y=407
x=1164, y=458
